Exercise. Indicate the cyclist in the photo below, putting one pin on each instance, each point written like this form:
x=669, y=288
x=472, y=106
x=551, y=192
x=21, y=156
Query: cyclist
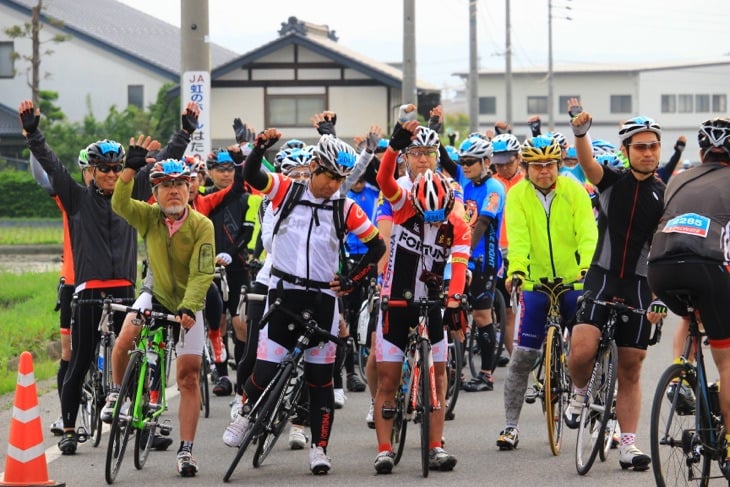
x=630, y=205
x=180, y=246
x=236, y=224
x=484, y=202
x=66, y=283
x=507, y=167
x=103, y=245
x=552, y=234
x=690, y=248
x=425, y=233
x=304, y=275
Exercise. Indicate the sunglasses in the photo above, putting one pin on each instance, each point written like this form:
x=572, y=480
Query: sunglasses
x=543, y=165
x=224, y=168
x=329, y=174
x=645, y=146
x=300, y=175
x=469, y=161
x=105, y=168
x=422, y=152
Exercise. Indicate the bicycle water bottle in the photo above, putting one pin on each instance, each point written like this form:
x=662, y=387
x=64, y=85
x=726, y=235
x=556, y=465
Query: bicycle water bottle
x=100, y=358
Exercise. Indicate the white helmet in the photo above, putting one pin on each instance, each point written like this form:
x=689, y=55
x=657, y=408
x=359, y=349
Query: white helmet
x=334, y=155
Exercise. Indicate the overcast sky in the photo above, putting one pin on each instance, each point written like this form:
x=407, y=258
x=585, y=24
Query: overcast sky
x=599, y=32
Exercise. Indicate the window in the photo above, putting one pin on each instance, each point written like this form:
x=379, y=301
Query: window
x=487, y=105
x=684, y=103
x=620, y=103
x=669, y=103
x=537, y=104
x=719, y=103
x=135, y=96
x=563, y=103
x=7, y=65
x=291, y=110
x=702, y=103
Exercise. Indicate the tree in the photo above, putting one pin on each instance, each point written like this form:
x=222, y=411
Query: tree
x=31, y=30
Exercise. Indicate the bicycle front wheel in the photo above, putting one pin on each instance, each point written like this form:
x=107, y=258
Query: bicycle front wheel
x=400, y=425
x=673, y=434
x=280, y=404
x=556, y=388
x=453, y=376
x=88, y=414
x=499, y=321
x=424, y=394
x=472, y=348
x=597, y=410
x=204, y=387
x=122, y=419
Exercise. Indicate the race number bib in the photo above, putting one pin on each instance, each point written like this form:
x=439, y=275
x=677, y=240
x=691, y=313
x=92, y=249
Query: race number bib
x=689, y=224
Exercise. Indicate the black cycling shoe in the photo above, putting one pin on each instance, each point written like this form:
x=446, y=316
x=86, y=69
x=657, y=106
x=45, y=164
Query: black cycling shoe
x=68, y=443
x=502, y=361
x=223, y=387
x=482, y=382
x=354, y=384
x=161, y=443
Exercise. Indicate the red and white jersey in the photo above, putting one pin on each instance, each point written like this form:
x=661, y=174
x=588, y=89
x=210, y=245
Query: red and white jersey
x=306, y=244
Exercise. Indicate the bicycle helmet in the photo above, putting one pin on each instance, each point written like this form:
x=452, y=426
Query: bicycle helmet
x=540, y=149
x=217, y=157
x=432, y=196
x=293, y=144
x=425, y=137
x=476, y=134
x=637, y=125
x=169, y=170
x=610, y=160
x=601, y=146
x=476, y=147
x=714, y=135
x=195, y=164
x=562, y=141
x=382, y=145
x=504, y=146
x=334, y=155
x=84, y=158
x=571, y=153
x=105, y=152
x=294, y=158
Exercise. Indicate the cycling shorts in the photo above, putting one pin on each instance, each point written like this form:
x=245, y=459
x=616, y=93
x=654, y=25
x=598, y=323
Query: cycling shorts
x=391, y=335
x=533, y=316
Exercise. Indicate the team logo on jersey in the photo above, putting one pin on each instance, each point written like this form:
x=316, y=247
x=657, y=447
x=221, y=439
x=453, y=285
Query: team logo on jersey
x=471, y=213
x=445, y=236
x=493, y=202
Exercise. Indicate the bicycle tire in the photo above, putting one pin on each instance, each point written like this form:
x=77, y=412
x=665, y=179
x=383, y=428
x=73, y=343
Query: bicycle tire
x=499, y=321
x=87, y=404
x=281, y=401
x=595, y=415
x=400, y=423
x=143, y=445
x=121, y=426
x=363, y=352
x=103, y=382
x=472, y=348
x=204, y=386
x=424, y=391
x=260, y=415
x=609, y=431
x=670, y=430
x=453, y=376
x=555, y=390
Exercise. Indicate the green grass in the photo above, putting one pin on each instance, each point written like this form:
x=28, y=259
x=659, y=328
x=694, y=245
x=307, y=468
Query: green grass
x=24, y=231
x=28, y=323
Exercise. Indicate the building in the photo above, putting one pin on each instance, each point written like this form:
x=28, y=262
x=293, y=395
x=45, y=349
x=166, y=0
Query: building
x=678, y=96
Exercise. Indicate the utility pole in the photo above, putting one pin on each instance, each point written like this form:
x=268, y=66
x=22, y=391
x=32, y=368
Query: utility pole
x=473, y=69
x=408, y=92
x=508, y=63
x=551, y=94
x=195, y=69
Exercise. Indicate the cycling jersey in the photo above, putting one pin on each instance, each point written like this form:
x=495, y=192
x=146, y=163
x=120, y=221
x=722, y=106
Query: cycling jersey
x=367, y=199
x=629, y=210
x=508, y=184
x=558, y=243
x=485, y=198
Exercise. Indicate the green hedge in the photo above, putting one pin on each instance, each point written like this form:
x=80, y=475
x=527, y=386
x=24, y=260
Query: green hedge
x=22, y=197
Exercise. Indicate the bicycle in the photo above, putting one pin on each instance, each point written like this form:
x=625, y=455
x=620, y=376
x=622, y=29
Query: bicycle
x=367, y=319
x=551, y=383
x=279, y=399
x=146, y=373
x=687, y=428
x=416, y=399
x=454, y=358
x=499, y=321
x=98, y=379
x=598, y=417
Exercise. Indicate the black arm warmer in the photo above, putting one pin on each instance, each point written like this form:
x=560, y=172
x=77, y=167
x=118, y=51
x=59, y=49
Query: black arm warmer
x=252, y=172
x=372, y=171
x=483, y=222
x=447, y=164
x=376, y=249
x=665, y=172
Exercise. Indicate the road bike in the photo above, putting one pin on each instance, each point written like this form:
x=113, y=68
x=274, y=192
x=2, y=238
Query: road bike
x=687, y=428
x=598, y=422
x=280, y=398
x=145, y=377
x=550, y=381
x=367, y=319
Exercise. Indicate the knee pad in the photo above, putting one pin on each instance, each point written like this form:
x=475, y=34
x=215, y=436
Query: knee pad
x=523, y=360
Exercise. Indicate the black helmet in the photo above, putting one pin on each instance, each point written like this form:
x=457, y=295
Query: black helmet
x=105, y=152
x=714, y=135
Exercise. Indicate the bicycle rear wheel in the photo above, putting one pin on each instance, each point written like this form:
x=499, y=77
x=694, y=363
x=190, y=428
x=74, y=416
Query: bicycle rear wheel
x=472, y=348
x=204, y=386
x=400, y=425
x=556, y=388
x=597, y=410
x=453, y=376
x=122, y=420
x=143, y=444
x=282, y=403
x=424, y=394
x=673, y=432
x=87, y=406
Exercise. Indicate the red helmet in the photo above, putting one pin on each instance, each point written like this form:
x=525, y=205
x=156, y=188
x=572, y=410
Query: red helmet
x=168, y=170
x=432, y=196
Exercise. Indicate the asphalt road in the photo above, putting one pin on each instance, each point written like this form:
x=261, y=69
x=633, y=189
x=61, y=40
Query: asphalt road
x=471, y=437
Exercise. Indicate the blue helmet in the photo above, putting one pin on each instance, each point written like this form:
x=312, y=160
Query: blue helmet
x=571, y=153
x=476, y=147
x=168, y=170
x=294, y=158
x=602, y=147
x=453, y=153
x=610, y=160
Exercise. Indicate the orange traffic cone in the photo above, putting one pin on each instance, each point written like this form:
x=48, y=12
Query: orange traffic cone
x=25, y=463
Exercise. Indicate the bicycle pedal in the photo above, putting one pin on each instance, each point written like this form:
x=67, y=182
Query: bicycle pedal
x=165, y=428
x=81, y=434
x=531, y=396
